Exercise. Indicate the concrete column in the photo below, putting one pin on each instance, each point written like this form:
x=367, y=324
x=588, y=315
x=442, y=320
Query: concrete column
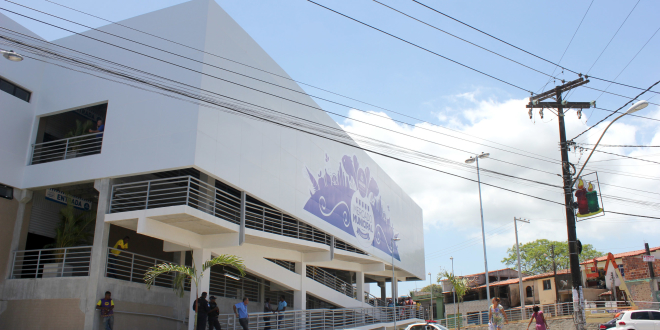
x=383, y=291
x=359, y=285
x=395, y=289
x=300, y=296
x=200, y=256
x=241, y=230
x=98, y=256
x=23, y=196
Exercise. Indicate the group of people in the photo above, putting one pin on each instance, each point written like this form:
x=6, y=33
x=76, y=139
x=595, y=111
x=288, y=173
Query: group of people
x=208, y=312
x=497, y=317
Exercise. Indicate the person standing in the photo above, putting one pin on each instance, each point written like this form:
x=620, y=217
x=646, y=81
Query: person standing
x=541, y=324
x=214, y=312
x=113, y=257
x=201, y=306
x=107, y=306
x=267, y=309
x=96, y=145
x=281, y=308
x=496, y=315
x=241, y=312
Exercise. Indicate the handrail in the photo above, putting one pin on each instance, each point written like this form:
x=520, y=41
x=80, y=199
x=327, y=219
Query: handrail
x=132, y=267
x=69, y=138
x=54, y=262
x=333, y=282
x=72, y=147
x=153, y=315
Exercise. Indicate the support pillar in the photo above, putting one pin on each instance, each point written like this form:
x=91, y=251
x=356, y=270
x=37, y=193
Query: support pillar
x=98, y=256
x=200, y=256
x=383, y=291
x=300, y=296
x=395, y=289
x=241, y=230
x=359, y=286
x=23, y=196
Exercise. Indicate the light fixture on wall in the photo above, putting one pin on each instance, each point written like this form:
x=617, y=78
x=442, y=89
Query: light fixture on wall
x=11, y=55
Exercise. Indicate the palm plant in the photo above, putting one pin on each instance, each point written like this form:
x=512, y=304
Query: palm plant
x=81, y=129
x=182, y=272
x=73, y=229
x=461, y=287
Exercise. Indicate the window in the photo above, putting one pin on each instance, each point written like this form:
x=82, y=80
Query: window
x=623, y=274
x=547, y=285
x=655, y=316
x=12, y=89
x=529, y=293
x=640, y=316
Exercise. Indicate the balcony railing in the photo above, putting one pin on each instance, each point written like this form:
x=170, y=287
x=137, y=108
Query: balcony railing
x=78, y=146
x=331, y=281
x=323, y=319
x=132, y=267
x=190, y=191
x=45, y=263
x=373, y=300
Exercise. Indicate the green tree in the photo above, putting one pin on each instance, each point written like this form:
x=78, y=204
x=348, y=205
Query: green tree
x=536, y=256
x=461, y=287
x=181, y=273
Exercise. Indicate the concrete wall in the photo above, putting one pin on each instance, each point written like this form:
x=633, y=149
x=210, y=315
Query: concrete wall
x=8, y=209
x=37, y=314
x=468, y=307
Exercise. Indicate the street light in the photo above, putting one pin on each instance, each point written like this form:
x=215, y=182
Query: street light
x=11, y=55
x=431, y=285
x=633, y=108
x=452, y=289
x=520, y=277
x=483, y=231
x=394, y=239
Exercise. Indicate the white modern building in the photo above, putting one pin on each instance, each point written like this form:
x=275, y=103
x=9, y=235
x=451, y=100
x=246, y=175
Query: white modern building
x=313, y=219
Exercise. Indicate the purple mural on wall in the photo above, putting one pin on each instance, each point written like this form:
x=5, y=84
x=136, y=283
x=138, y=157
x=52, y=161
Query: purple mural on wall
x=350, y=200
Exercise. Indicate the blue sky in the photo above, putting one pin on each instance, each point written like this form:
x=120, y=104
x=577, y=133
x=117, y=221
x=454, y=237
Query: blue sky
x=324, y=49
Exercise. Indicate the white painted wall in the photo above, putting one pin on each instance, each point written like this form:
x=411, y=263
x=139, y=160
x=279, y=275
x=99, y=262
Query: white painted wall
x=146, y=132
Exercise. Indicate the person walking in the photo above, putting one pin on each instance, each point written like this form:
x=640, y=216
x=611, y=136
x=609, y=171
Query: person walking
x=281, y=308
x=241, y=312
x=267, y=309
x=202, y=309
x=496, y=315
x=541, y=324
x=113, y=257
x=213, y=314
x=107, y=306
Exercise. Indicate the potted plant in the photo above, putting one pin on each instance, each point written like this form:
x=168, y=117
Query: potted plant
x=73, y=230
x=80, y=130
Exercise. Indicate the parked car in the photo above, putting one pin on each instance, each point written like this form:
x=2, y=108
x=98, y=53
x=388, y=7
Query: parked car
x=428, y=325
x=609, y=324
x=639, y=320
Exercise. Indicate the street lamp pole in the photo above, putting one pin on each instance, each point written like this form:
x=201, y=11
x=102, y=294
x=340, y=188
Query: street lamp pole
x=394, y=239
x=432, y=309
x=520, y=277
x=633, y=108
x=481, y=209
x=452, y=289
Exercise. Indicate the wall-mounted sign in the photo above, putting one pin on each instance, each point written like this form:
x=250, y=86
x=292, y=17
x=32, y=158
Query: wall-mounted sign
x=646, y=258
x=587, y=196
x=62, y=198
x=347, y=196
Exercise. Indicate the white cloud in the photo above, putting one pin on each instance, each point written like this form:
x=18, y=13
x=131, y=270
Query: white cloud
x=450, y=202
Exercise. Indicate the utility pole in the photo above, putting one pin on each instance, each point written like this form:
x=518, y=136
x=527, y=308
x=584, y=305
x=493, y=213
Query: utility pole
x=560, y=105
x=520, y=276
x=652, y=282
x=554, y=269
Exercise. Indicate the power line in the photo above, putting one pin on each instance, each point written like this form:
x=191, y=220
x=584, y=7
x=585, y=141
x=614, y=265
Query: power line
x=243, y=111
x=624, y=156
x=263, y=81
x=422, y=48
x=459, y=38
x=619, y=95
x=516, y=47
x=617, y=110
x=620, y=145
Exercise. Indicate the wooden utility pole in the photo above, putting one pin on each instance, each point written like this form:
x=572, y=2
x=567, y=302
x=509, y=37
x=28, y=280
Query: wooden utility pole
x=560, y=105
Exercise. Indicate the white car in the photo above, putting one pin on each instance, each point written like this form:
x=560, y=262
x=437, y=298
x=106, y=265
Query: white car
x=425, y=326
x=638, y=320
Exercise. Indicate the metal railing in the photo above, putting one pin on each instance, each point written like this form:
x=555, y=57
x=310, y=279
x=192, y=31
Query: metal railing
x=78, y=146
x=190, y=191
x=132, y=267
x=373, y=300
x=513, y=314
x=333, y=282
x=57, y=262
x=324, y=319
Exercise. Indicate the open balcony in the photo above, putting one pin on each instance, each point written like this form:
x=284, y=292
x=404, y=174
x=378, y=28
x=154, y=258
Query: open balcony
x=73, y=147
